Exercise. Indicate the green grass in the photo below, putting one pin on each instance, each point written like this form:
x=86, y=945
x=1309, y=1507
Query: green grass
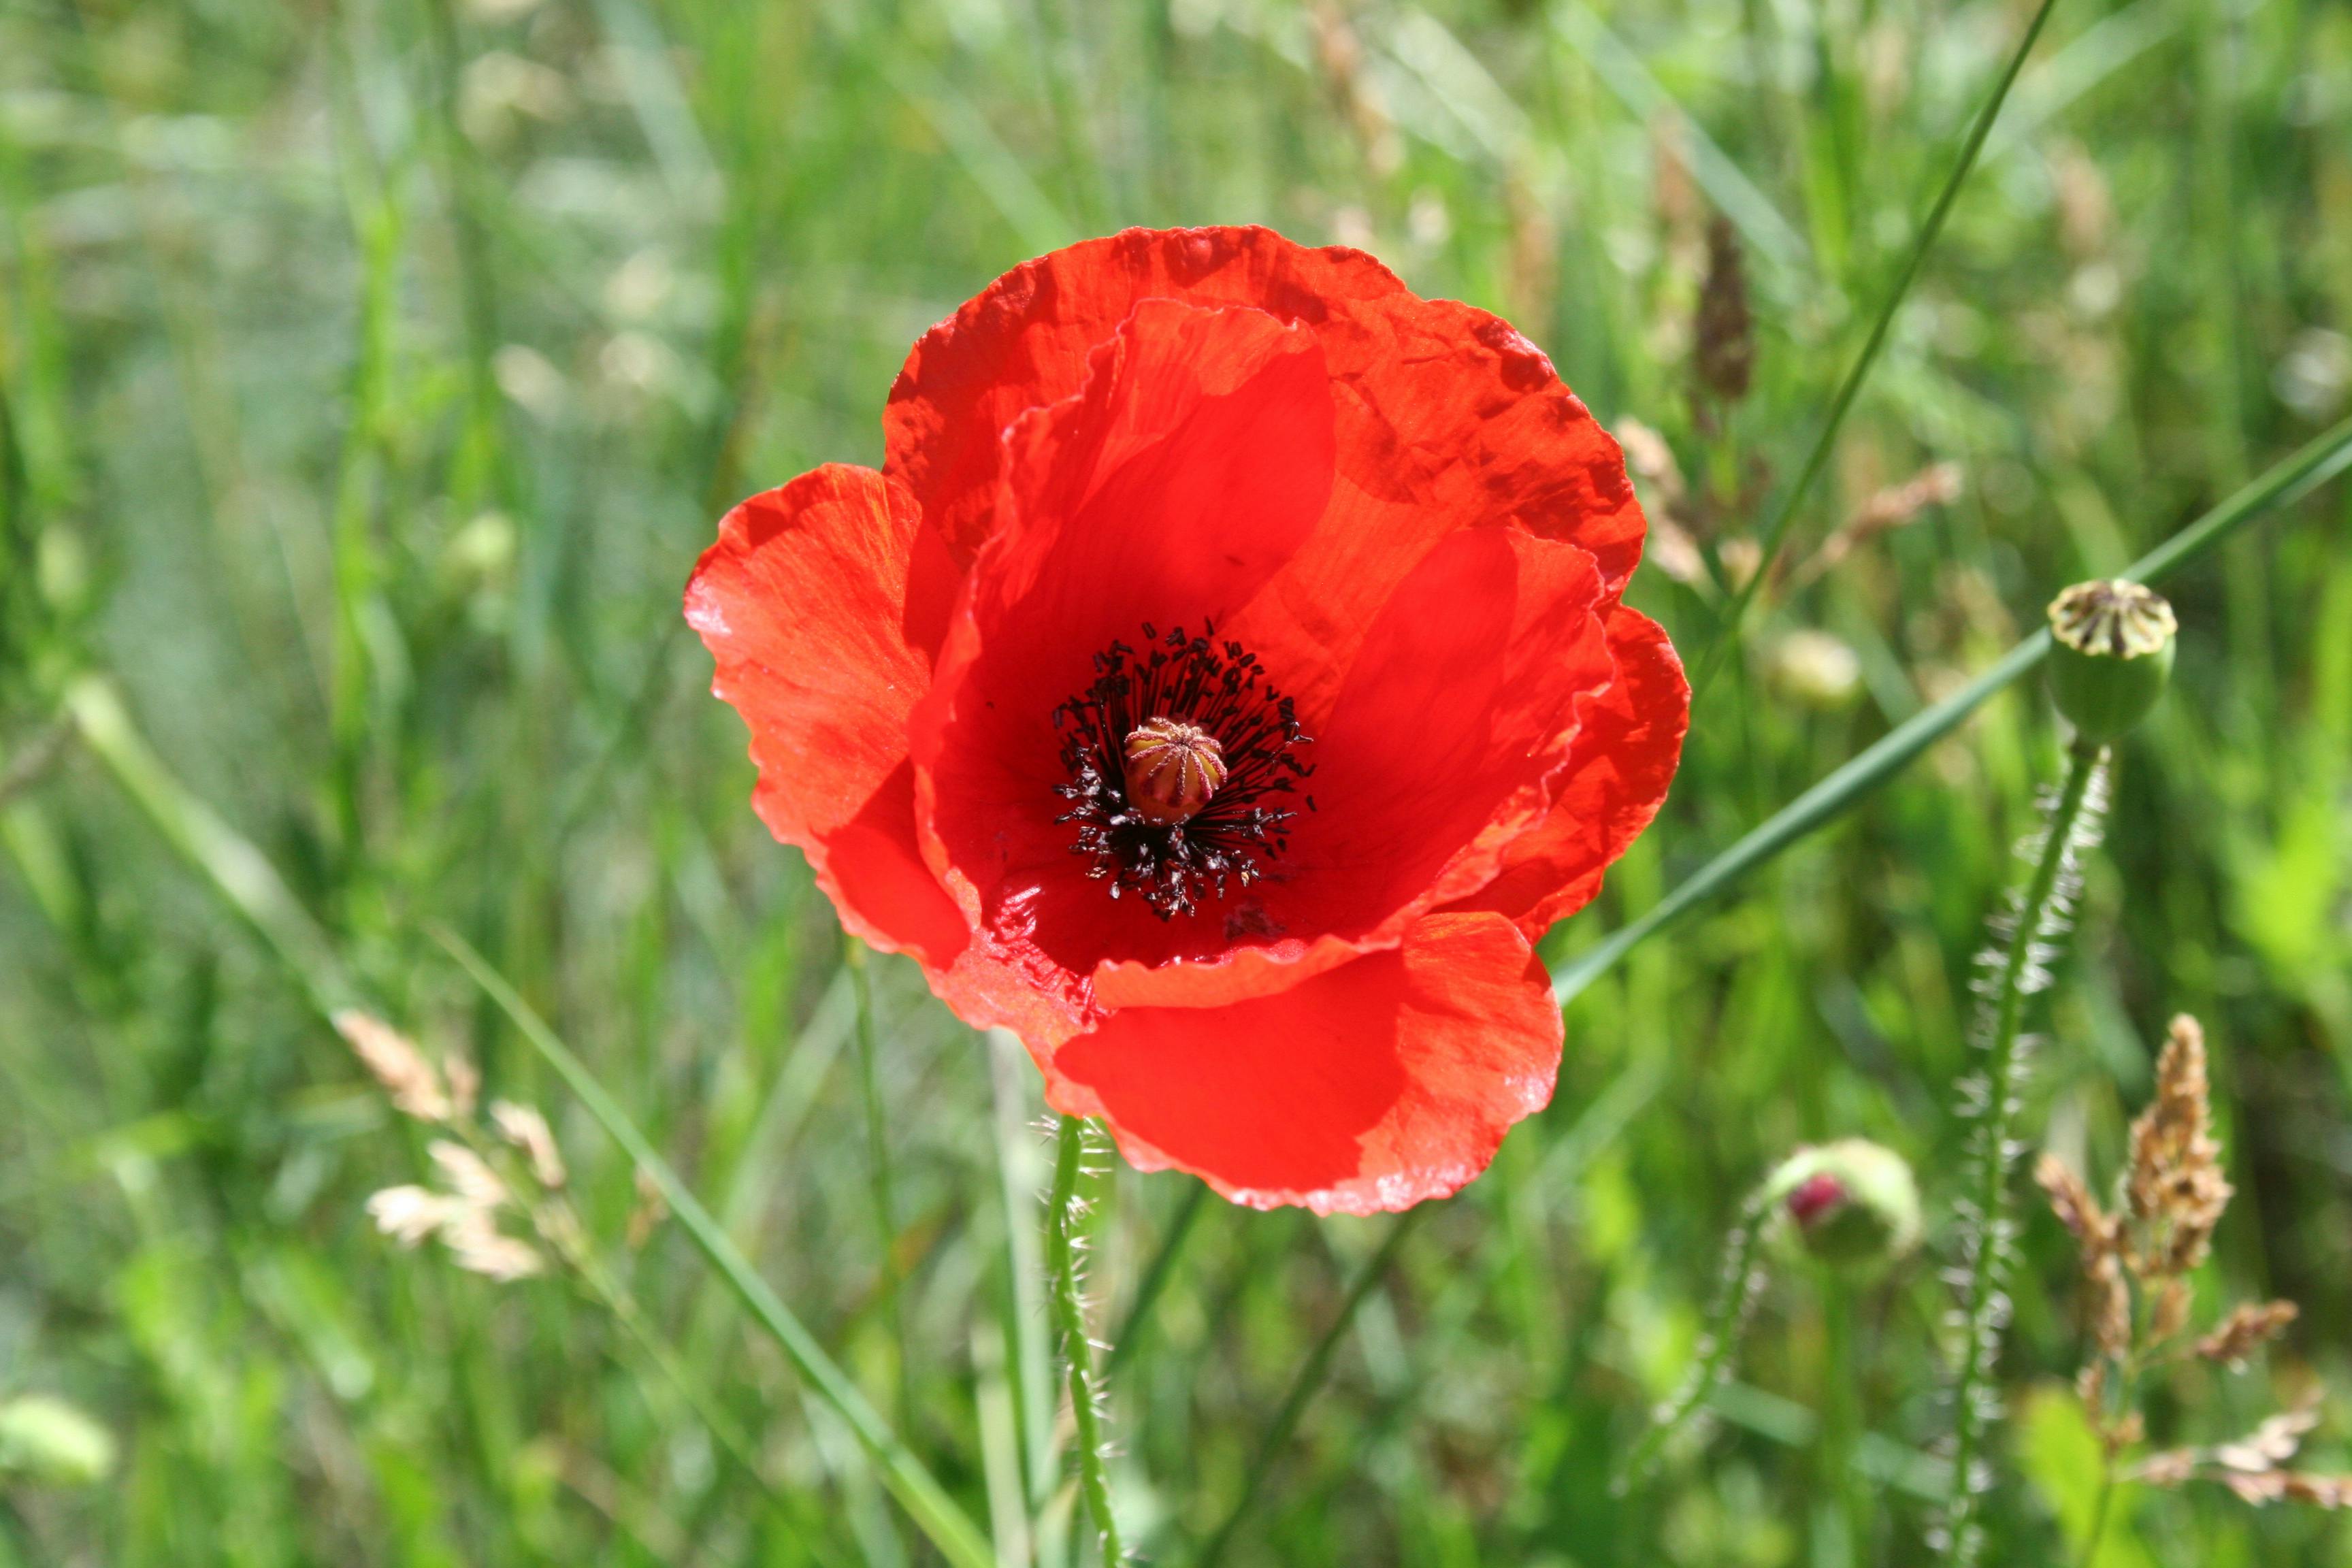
x=371, y=374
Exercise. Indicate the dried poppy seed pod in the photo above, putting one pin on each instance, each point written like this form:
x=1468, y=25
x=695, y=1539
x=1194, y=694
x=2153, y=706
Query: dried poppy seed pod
x=1172, y=769
x=2110, y=656
x=1851, y=1203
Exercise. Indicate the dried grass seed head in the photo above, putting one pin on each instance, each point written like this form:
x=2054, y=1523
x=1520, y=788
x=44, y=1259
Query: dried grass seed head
x=396, y=1062
x=2175, y=1191
x=523, y=1126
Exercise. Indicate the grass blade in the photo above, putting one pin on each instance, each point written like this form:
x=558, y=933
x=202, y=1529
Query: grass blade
x=241, y=874
x=1305, y=1383
x=1156, y=1275
x=1621, y=70
x=878, y=1174
x=2313, y=465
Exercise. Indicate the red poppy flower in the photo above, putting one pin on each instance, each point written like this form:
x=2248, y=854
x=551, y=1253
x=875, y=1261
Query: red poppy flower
x=1222, y=685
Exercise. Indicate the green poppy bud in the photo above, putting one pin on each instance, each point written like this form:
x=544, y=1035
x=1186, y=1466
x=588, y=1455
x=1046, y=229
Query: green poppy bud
x=1851, y=1203
x=2110, y=656
x=49, y=1440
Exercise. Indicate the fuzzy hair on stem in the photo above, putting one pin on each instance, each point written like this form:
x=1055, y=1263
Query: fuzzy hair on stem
x=1718, y=1349
x=1090, y=1394
x=2032, y=930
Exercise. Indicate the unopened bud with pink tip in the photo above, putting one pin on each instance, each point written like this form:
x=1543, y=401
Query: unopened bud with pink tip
x=1851, y=1204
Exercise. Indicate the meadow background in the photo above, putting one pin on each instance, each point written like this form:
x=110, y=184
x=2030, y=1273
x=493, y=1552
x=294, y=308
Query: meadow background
x=373, y=371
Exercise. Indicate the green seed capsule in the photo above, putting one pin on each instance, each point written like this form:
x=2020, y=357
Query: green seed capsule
x=1851, y=1204
x=2110, y=657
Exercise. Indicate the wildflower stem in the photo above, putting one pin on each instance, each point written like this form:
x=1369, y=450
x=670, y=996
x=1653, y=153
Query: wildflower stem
x=2288, y=482
x=1727, y=633
x=1988, y=1202
x=1842, y=1417
x=1735, y=1295
x=1062, y=1248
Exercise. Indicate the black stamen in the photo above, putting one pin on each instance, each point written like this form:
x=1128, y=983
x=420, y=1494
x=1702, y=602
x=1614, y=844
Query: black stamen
x=1175, y=868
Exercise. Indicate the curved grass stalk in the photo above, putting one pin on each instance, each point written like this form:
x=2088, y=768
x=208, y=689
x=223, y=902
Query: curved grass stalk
x=2286, y=482
x=2040, y=918
x=1064, y=1211
x=1156, y=1275
x=568, y=1238
x=1304, y=1386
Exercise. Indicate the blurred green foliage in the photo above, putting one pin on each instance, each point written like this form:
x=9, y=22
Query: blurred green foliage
x=372, y=371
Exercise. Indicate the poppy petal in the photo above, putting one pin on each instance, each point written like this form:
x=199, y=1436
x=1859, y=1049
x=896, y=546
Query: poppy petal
x=1448, y=416
x=1487, y=688
x=1194, y=462
x=1618, y=771
x=1370, y=1087
x=1026, y=341
x=1446, y=420
x=1437, y=750
x=804, y=604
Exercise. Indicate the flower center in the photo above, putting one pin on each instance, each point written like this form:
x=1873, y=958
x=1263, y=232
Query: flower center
x=1172, y=752
x=1172, y=769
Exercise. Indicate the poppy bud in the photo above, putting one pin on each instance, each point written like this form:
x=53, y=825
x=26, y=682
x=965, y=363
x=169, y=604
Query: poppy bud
x=1172, y=769
x=2111, y=656
x=1850, y=1203
x=49, y=1440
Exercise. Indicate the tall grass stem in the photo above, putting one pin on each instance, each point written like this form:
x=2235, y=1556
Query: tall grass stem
x=1026, y=1309
x=1156, y=1275
x=1725, y=639
x=925, y=1502
x=877, y=1164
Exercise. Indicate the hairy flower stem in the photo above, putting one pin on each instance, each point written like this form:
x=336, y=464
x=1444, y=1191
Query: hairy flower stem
x=1069, y=1309
x=1735, y=1298
x=2040, y=919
